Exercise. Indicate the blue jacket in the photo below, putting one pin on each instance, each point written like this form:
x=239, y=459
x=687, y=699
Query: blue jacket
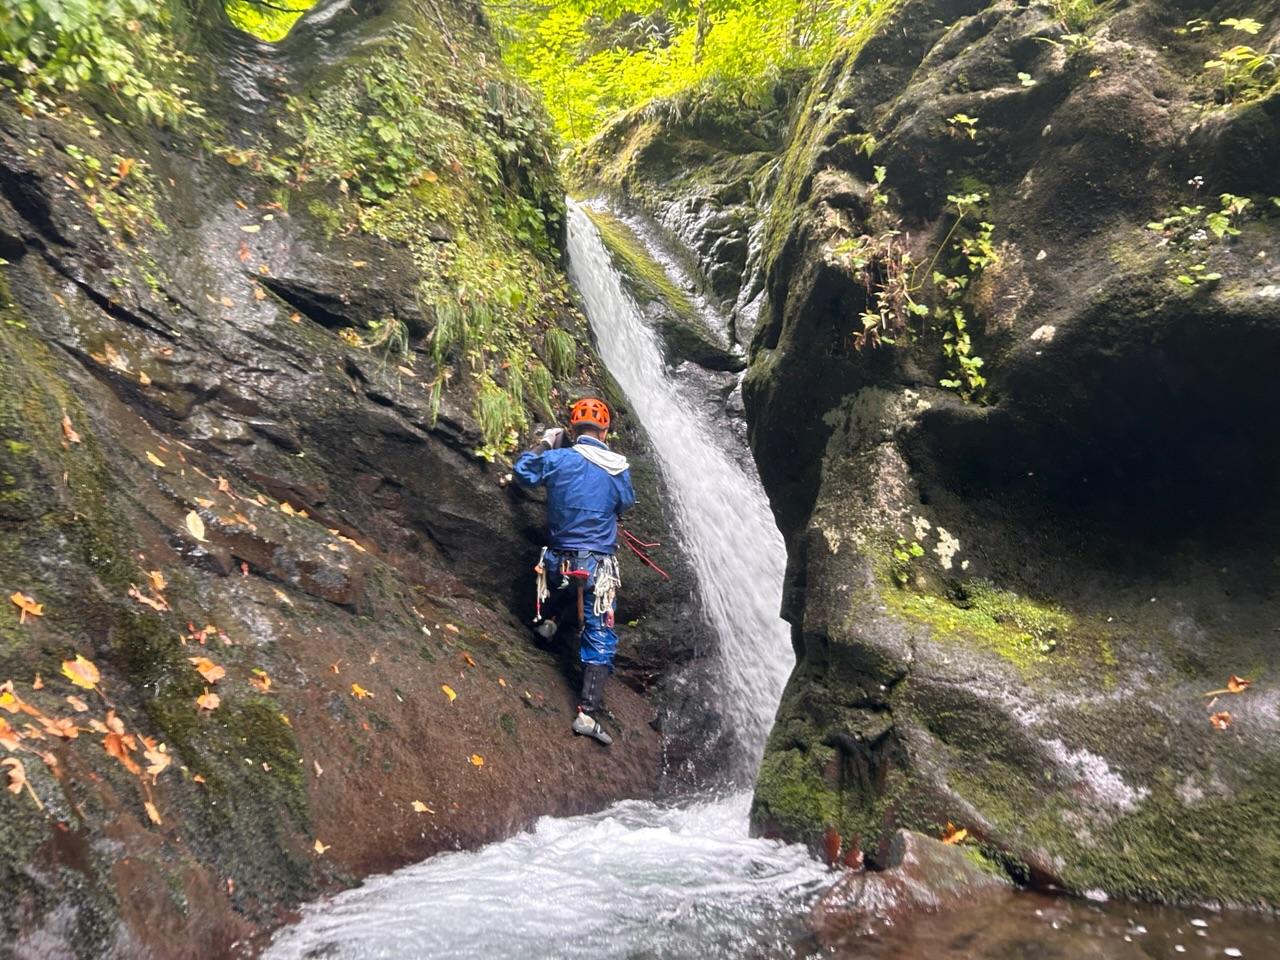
x=587, y=490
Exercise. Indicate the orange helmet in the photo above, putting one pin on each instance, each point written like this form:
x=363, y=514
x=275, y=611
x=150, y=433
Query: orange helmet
x=590, y=410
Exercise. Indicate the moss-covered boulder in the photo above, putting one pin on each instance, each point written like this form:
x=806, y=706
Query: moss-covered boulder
x=1019, y=587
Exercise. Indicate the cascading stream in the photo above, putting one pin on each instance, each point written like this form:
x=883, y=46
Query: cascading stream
x=638, y=879
x=722, y=514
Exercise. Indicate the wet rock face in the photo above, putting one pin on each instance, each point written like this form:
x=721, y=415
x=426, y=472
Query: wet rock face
x=1008, y=610
x=920, y=875
x=175, y=398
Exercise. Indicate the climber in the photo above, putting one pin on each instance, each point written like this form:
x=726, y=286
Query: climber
x=588, y=488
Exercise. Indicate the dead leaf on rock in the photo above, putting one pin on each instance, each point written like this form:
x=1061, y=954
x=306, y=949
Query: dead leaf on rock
x=260, y=681
x=154, y=459
x=953, y=834
x=37, y=683
x=69, y=434
x=211, y=671
x=158, y=760
x=208, y=701
x=421, y=807
x=280, y=595
x=10, y=738
x=18, y=778
x=448, y=692
x=152, y=812
x=195, y=526
x=477, y=760
x=81, y=672
x=470, y=659
x=359, y=692
x=319, y=769
x=227, y=302
x=26, y=605
x=1220, y=720
x=155, y=603
x=321, y=847
x=1237, y=684
x=120, y=746
x=78, y=705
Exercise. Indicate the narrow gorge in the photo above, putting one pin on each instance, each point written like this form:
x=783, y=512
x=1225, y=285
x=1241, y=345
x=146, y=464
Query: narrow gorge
x=940, y=351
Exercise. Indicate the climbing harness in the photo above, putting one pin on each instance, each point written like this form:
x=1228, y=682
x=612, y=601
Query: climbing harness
x=540, y=568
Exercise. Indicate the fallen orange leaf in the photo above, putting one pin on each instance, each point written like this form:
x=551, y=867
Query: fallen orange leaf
x=154, y=459
x=421, y=807
x=501, y=682
x=155, y=603
x=152, y=812
x=27, y=606
x=448, y=692
x=120, y=746
x=477, y=760
x=9, y=737
x=953, y=834
x=470, y=659
x=81, y=672
x=321, y=847
x=1237, y=684
x=211, y=672
x=68, y=431
x=1221, y=720
x=37, y=683
x=359, y=692
x=260, y=681
x=78, y=705
x=208, y=701
x=18, y=778
x=158, y=582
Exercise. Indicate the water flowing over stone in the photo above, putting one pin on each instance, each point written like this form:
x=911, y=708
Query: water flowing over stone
x=638, y=879
x=724, y=518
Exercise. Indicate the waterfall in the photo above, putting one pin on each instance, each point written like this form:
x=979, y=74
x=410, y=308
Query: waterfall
x=638, y=879
x=723, y=518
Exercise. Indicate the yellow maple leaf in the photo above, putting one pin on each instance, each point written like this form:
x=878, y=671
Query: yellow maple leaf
x=81, y=672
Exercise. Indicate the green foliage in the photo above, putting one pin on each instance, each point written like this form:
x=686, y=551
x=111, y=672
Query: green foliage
x=1076, y=15
x=592, y=59
x=1246, y=73
x=269, y=20
x=459, y=172
x=390, y=336
x=964, y=125
x=560, y=350
x=895, y=283
x=540, y=387
x=1193, y=230
x=122, y=50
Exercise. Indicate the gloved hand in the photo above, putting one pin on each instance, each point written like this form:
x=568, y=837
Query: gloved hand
x=553, y=438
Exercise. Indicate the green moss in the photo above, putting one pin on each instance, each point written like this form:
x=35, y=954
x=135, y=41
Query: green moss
x=1020, y=630
x=791, y=794
x=647, y=276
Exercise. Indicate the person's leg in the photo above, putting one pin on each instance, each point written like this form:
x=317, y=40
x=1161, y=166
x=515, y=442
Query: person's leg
x=599, y=643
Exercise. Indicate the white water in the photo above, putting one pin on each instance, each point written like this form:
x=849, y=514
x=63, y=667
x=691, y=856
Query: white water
x=723, y=516
x=637, y=880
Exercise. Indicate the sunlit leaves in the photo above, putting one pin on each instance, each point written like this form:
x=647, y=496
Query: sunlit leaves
x=954, y=835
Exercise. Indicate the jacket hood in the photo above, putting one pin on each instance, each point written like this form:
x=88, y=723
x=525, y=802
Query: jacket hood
x=604, y=458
